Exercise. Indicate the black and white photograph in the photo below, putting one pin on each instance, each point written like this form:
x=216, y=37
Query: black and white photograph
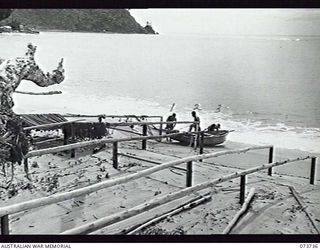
x=177, y=121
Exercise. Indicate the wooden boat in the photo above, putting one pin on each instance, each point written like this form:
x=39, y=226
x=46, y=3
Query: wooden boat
x=210, y=138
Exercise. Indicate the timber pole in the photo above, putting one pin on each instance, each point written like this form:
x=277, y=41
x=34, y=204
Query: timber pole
x=201, y=144
x=65, y=134
x=94, y=143
x=144, y=141
x=270, y=160
x=73, y=151
x=196, y=137
x=189, y=174
x=26, y=166
x=243, y=209
x=5, y=225
x=49, y=125
x=115, y=155
x=160, y=127
x=313, y=170
x=242, y=189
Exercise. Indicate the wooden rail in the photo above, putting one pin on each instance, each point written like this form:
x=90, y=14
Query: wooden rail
x=149, y=161
x=5, y=211
x=114, y=218
x=49, y=125
x=240, y=213
x=74, y=146
x=114, y=124
x=113, y=116
x=94, y=143
x=109, y=183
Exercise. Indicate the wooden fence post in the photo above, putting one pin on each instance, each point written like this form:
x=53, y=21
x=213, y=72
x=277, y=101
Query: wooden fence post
x=313, y=170
x=4, y=169
x=115, y=155
x=73, y=151
x=270, y=160
x=65, y=134
x=26, y=166
x=242, y=188
x=189, y=174
x=5, y=225
x=196, y=136
x=201, y=144
x=144, y=141
x=161, y=127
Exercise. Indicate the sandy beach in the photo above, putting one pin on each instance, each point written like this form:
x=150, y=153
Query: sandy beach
x=274, y=210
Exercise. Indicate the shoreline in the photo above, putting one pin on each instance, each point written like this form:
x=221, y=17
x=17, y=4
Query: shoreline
x=94, y=32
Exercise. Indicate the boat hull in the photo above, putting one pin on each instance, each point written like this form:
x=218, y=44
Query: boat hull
x=209, y=139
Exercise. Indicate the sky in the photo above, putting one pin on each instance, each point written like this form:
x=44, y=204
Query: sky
x=231, y=21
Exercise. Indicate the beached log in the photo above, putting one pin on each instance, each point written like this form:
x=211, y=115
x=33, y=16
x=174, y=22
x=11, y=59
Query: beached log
x=190, y=204
x=39, y=93
x=243, y=209
x=111, y=219
x=303, y=207
x=51, y=125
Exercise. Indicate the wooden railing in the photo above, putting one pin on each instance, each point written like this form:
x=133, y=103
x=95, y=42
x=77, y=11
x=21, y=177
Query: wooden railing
x=50, y=125
x=11, y=209
x=115, y=142
x=117, y=217
x=112, y=116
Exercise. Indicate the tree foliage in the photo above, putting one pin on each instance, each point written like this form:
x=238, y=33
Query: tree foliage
x=5, y=13
x=89, y=20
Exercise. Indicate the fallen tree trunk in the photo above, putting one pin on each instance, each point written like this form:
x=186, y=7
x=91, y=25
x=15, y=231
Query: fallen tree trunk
x=38, y=93
x=190, y=204
x=303, y=207
x=243, y=209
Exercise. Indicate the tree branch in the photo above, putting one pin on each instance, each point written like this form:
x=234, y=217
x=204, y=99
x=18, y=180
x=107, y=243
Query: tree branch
x=39, y=93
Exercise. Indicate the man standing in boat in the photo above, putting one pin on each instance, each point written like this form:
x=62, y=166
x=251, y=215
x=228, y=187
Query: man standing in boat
x=196, y=119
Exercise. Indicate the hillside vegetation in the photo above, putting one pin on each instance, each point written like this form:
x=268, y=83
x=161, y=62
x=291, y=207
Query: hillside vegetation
x=5, y=13
x=87, y=20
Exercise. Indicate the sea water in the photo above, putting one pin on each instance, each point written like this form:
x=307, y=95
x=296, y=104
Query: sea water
x=265, y=88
